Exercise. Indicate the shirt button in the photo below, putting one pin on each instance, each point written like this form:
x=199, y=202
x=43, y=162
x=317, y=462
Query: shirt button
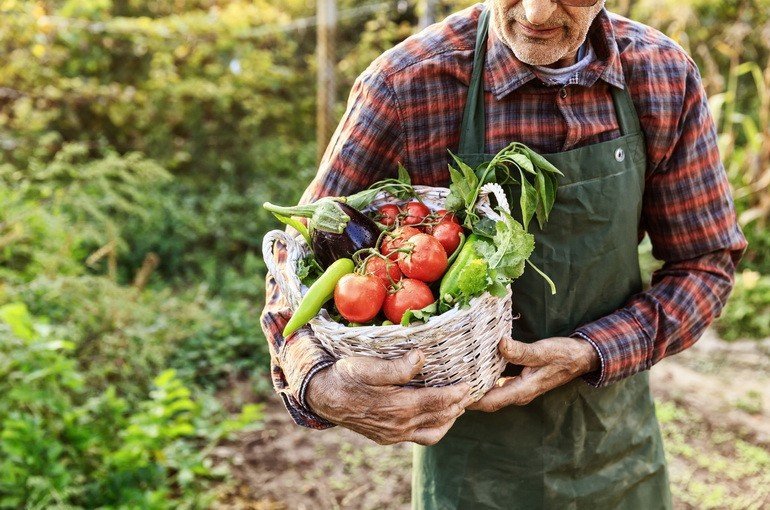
x=563, y=92
x=620, y=155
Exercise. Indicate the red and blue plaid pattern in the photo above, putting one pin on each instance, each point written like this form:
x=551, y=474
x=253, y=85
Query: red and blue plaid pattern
x=407, y=107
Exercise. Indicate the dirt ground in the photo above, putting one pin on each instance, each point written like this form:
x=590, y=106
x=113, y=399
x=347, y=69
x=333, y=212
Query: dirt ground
x=713, y=402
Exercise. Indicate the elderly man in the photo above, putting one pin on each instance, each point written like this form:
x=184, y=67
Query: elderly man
x=620, y=110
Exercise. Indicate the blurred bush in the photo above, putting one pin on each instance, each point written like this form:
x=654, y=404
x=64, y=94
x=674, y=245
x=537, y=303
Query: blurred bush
x=67, y=444
x=747, y=314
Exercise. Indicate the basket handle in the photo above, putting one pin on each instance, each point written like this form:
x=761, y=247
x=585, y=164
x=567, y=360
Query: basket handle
x=492, y=188
x=286, y=276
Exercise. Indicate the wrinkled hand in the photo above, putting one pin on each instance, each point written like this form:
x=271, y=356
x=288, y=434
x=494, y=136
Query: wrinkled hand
x=548, y=364
x=363, y=394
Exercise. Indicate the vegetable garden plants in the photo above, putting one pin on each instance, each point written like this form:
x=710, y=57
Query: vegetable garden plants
x=401, y=261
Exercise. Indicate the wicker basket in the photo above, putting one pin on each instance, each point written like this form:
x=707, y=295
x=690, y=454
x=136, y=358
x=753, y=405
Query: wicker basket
x=459, y=345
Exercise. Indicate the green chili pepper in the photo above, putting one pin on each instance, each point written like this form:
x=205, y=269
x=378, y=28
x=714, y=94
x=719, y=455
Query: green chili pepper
x=318, y=294
x=449, y=287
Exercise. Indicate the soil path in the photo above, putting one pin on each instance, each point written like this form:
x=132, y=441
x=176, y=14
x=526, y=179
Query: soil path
x=713, y=404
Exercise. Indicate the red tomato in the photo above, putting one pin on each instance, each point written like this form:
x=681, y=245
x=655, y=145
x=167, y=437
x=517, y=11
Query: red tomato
x=426, y=262
x=444, y=215
x=415, y=213
x=448, y=234
x=388, y=214
x=411, y=295
x=438, y=217
x=359, y=297
x=394, y=240
x=384, y=269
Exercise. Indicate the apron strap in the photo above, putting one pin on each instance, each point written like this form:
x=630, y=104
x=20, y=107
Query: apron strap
x=473, y=130
x=628, y=120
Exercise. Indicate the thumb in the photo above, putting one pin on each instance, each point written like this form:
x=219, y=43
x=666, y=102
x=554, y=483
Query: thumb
x=381, y=372
x=520, y=353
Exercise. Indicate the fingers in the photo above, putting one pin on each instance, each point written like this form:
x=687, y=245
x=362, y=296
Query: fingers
x=426, y=412
x=428, y=400
x=520, y=353
x=379, y=372
x=438, y=417
x=510, y=391
x=432, y=435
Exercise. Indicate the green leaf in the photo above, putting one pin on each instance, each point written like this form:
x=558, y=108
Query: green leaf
x=486, y=248
x=498, y=289
x=523, y=162
x=550, y=192
x=165, y=378
x=18, y=318
x=485, y=227
x=483, y=175
x=540, y=212
x=422, y=314
x=466, y=182
x=403, y=175
x=540, y=161
x=513, y=246
x=527, y=201
x=510, y=247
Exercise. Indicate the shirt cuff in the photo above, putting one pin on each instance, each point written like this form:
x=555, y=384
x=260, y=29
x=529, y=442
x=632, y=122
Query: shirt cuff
x=301, y=415
x=306, y=381
x=623, y=346
x=301, y=358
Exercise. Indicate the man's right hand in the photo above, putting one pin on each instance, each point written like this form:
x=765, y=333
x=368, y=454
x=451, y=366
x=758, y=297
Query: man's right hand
x=364, y=394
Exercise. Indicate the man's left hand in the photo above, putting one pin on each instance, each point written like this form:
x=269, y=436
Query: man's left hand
x=548, y=364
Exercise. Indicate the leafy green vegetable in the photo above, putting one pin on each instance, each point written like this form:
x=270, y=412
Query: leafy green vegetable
x=485, y=227
x=509, y=248
x=422, y=314
x=500, y=248
x=510, y=165
x=507, y=252
x=308, y=269
x=474, y=278
x=464, y=188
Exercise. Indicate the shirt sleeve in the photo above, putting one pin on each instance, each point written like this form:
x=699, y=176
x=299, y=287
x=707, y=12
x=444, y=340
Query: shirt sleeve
x=366, y=147
x=689, y=215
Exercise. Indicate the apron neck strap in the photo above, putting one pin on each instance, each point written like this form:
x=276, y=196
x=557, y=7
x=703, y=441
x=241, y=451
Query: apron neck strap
x=473, y=130
x=625, y=111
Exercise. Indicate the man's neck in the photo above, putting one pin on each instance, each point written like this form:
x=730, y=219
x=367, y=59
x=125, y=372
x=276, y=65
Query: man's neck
x=565, y=61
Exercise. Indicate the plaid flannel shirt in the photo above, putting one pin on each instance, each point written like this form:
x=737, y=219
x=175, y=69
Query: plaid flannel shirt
x=407, y=107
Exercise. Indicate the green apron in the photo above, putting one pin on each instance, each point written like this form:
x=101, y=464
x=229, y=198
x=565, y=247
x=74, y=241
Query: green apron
x=576, y=446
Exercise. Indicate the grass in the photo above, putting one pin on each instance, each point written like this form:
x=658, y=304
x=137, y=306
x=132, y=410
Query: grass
x=712, y=467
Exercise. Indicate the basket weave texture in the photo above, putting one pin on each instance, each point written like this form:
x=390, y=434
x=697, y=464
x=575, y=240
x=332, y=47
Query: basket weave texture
x=460, y=345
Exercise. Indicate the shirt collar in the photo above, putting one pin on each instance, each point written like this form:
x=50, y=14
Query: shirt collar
x=504, y=73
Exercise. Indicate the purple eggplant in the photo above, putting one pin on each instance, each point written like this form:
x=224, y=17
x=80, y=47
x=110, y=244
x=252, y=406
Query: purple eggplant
x=360, y=232
x=334, y=229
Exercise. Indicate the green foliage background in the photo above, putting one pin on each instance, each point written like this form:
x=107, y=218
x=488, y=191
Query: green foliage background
x=132, y=127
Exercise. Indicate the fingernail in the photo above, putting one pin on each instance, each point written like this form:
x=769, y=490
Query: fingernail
x=413, y=357
x=508, y=345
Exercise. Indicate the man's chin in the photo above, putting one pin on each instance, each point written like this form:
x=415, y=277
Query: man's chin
x=536, y=55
